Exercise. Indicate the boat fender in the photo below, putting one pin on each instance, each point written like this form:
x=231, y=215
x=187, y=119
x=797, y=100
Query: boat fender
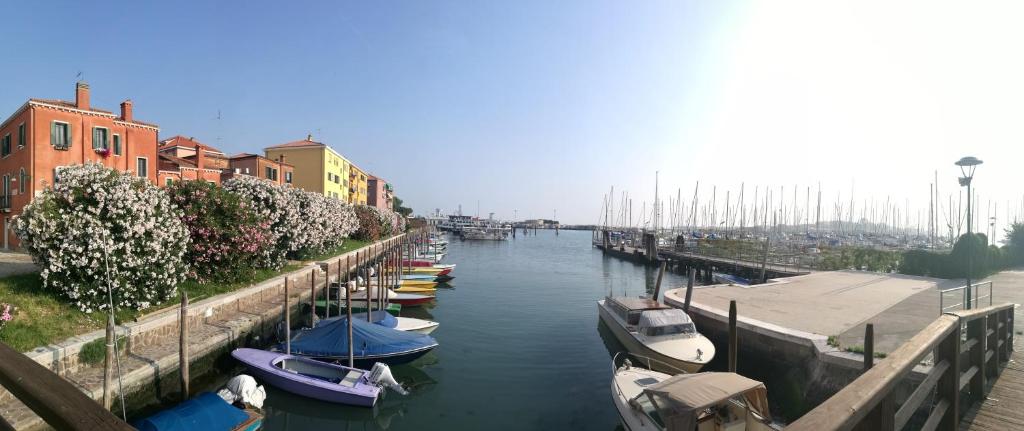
x=243, y=388
x=381, y=376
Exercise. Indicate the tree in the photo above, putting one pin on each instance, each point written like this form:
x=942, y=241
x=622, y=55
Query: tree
x=396, y=204
x=1015, y=243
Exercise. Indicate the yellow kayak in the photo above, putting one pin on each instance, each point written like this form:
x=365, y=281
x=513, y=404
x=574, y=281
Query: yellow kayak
x=419, y=283
x=416, y=289
x=427, y=271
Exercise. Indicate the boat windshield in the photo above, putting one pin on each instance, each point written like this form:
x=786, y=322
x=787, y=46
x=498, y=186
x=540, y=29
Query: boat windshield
x=682, y=329
x=643, y=403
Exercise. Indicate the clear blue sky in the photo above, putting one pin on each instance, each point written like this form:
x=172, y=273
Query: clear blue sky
x=536, y=106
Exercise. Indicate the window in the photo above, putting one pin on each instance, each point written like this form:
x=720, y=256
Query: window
x=142, y=167
x=22, y=179
x=117, y=145
x=21, y=135
x=288, y=177
x=169, y=181
x=238, y=170
x=56, y=174
x=60, y=135
x=271, y=173
x=6, y=145
x=99, y=138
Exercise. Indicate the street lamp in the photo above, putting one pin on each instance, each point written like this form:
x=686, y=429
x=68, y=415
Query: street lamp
x=967, y=166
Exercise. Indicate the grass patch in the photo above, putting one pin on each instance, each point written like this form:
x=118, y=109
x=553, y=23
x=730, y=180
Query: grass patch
x=95, y=352
x=43, y=317
x=860, y=350
x=833, y=341
x=345, y=247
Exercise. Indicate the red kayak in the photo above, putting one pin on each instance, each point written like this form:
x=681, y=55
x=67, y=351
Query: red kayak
x=417, y=263
x=409, y=299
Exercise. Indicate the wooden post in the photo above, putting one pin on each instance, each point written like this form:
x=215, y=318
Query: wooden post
x=312, y=297
x=183, y=346
x=657, y=284
x=733, y=342
x=348, y=308
x=869, y=346
x=976, y=357
x=287, y=321
x=108, y=364
x=948, y=388
x=689, y=289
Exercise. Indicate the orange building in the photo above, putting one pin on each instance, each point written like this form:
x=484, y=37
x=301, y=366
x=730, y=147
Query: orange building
x=44, y=135
x=260, y=167
x=184, y=158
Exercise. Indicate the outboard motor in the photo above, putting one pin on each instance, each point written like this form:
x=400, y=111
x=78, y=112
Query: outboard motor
x=243, y=388
x=381, y=376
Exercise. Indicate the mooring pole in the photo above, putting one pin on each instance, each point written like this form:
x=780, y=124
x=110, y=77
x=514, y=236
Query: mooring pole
x=183, y=347
x=287, y=321
x=348, y=309
x=312, y=297
x=689, y=289
x=657, y=284
x=108, y=364
x=869, y=346
x=733, y=342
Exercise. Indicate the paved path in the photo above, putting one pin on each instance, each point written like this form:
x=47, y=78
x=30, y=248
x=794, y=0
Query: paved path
x=12, y=263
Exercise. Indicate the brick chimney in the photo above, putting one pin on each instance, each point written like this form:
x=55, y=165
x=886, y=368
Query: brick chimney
x=280, y=159
x=82, y=95
x=126, y=110
x=309, y=137
x=200, y=157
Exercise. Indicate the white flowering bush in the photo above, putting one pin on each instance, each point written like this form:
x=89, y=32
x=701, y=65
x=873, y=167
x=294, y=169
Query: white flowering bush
x=97, y=225
x=276, y=205
x=301, y=222
x=376, y=223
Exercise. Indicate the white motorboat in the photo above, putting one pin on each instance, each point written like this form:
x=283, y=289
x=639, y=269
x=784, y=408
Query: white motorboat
x=651, y=400
x=410, y=324
x=648, y=328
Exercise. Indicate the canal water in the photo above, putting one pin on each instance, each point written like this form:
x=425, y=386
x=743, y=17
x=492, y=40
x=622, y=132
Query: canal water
x=520, y=345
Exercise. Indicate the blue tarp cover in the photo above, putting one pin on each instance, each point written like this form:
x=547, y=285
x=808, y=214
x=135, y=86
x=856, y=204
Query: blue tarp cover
x=330, y=339
x=206, y=411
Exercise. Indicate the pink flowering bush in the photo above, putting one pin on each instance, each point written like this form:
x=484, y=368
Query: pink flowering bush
x=376, y=223
x=228, y=239
x=6, y=314
x=96, y=225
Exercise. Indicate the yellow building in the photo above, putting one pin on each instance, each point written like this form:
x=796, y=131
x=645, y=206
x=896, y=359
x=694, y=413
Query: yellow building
x=318, y=168
x=359, y=183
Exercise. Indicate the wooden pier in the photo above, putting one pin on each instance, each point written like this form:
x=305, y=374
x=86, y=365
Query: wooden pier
x=705, y=265
x=974, y=382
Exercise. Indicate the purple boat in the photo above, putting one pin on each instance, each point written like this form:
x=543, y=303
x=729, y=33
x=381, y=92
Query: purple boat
x=311, y=378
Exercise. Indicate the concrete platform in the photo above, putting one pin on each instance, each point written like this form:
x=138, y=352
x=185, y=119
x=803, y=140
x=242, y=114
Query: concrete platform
x=837, y=303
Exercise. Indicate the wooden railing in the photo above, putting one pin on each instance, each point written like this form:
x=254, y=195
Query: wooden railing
x=61, y=404
x=956, y=381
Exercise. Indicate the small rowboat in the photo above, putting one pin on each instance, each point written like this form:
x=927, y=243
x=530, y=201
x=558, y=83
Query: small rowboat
x=307, y=377
x=357, y=307
x=407, y=324
x=416, y=289
x=205, y=411
x=409, y=299
x=430, y=271
x=417, y=283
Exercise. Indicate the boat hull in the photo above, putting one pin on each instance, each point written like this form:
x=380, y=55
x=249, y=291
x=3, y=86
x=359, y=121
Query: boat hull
x=261, y=364
x=636, y=347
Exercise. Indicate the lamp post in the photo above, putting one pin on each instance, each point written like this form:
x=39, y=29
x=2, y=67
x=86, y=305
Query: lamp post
x=967, y=166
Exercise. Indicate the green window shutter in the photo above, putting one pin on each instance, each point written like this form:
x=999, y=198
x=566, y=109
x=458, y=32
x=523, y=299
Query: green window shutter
x=53, y=134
